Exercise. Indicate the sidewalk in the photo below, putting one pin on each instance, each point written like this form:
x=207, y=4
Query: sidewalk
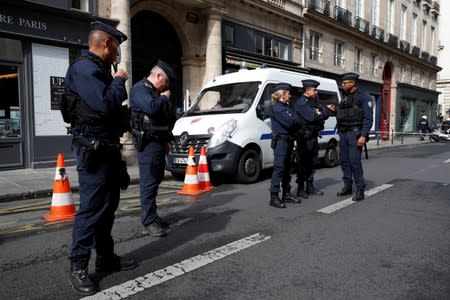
x=35, y=183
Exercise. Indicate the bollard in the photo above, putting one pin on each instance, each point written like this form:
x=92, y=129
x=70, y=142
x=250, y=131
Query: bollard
x=392, y=137
x=401, y=138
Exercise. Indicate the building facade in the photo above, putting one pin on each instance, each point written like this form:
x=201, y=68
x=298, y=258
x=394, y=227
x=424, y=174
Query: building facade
x=443, y=82
x=391, y=43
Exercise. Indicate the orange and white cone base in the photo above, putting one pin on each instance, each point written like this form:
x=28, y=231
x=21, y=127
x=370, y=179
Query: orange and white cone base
x=191, y=185
x=62, y=207
x=203, y=173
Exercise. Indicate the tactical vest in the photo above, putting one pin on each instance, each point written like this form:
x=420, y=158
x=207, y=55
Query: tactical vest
x=349, y=112
x=77, y=112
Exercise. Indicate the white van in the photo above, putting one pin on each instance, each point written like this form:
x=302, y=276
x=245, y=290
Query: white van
x=231, y=118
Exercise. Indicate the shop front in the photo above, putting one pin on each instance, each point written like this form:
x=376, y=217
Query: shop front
x=37, y=45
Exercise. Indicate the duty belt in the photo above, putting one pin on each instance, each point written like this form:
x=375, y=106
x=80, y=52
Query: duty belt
x=285, y=137
x=348, y=129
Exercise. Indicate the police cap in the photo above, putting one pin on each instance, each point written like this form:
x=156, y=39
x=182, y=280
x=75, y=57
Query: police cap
x=167, y=69
x=282, y=86
x=350, y=76
x=307, y=83
x=118, y=35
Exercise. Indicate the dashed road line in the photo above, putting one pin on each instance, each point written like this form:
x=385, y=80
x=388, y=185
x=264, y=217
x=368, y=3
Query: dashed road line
x=344, y=203
x=139, y=284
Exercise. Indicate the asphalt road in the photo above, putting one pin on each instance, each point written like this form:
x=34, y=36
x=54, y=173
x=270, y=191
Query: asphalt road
x=229, y=244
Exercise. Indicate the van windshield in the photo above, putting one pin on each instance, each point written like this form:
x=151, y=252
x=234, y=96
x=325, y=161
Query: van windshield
x=225, y=99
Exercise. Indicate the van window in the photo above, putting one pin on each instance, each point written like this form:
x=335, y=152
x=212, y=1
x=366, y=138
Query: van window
x=265, y=102
x=223, y=99
x=326, y=97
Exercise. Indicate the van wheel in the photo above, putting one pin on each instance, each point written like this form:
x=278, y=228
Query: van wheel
x=331, y=156
x=249, y=167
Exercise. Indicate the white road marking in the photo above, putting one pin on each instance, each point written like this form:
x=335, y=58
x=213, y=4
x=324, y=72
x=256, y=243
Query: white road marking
x=446, y=161
x=139, y=284
x=341, y=204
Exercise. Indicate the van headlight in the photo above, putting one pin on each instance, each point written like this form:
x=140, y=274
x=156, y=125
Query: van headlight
x=223, y=133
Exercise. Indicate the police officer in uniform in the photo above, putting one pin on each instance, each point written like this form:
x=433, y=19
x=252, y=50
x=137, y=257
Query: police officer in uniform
x=285, y=123
x=312, y=116
x=354, y=120
x=92, y=104
x=423, y=127
x=151, y=127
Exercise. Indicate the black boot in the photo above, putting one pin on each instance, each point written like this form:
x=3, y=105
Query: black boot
x=288, y=197
x=114, y=263
x=359, y=195
x=346, y=190
x=311, y=190
x=81, y=283
x=301, y=191
x=275, y=201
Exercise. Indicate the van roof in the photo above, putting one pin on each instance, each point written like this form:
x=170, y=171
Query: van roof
x=272, y=75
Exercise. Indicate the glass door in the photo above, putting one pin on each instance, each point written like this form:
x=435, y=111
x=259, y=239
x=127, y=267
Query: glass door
x=11, y=132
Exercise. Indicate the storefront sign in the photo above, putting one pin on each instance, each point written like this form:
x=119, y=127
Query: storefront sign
x=56, y=91
x=54, y=24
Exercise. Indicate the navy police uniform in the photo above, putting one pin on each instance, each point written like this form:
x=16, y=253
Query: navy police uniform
x=97, y=99
x=285, y=123
x=151, y=125
x=312, y=116
x=423, y=126
x=354, y=119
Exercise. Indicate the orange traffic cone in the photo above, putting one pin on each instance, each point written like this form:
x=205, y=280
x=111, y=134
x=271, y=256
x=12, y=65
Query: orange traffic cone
x=191, y=185
x=203, y=173
x=62, y=207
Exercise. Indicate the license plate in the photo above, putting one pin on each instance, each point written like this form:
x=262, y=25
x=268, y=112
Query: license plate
x=180, y=160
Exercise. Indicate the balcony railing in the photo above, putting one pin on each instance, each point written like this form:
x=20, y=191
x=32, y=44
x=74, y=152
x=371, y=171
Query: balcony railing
x=415, y=51
x=405, y=46
x=322, y=6
x=343, y=15
x=425, y=56
x=392, y=40
x=433, y=60
x=315, y=54
x=362, y=25
x=277, y=3
x=339, y=61
x=358, y=68
x=436, y=6
x=377, y=33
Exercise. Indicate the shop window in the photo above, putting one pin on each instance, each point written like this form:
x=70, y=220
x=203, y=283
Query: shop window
x=10, y=49
x=9, y=102
x=228, y=35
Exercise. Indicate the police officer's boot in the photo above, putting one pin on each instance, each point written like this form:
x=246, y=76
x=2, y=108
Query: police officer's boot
x=359, y=195
x=301, y=190
x=311, y=190
x=346, y=190
x=288, y=197
x=81, y=283
x=275, y=201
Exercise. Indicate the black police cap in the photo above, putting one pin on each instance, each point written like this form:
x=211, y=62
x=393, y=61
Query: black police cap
x=307, y=83
x=282, y=86
x=350, y=76
x=118, y=35
x=167, y=69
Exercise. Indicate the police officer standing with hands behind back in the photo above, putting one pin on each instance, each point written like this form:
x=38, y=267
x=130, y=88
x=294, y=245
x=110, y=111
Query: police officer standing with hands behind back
x=151, y=128
x=354, y=119
x=312, y=116
x=285, y=123
x=92, y=104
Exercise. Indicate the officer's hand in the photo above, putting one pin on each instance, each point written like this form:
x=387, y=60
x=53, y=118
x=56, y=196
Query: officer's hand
x=122, y=73
x=361, y=141
x=331, y=107
x=166, y=93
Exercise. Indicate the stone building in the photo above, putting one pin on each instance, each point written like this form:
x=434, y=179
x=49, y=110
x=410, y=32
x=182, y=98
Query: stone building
x=443, y=82
x=391, y=43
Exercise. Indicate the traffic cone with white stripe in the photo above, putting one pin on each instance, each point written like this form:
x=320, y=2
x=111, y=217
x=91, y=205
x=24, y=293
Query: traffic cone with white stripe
x=191, y=185
x=62, y=207
x=203, y=173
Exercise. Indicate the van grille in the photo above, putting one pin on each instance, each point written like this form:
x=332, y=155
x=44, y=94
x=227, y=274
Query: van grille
x=197, y=141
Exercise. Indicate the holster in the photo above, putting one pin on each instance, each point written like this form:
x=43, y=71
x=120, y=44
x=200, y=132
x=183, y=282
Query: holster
x=90, y=161
x=274, y=142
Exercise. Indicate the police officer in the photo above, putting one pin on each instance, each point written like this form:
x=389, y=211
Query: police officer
x=312, y=116
x=151, y=127
x=354, y=120
x=285, y=123
x=423, y=127
x=97, y=98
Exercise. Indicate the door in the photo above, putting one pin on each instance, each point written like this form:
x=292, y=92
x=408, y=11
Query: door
x=385, y=102
x=11, y=118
